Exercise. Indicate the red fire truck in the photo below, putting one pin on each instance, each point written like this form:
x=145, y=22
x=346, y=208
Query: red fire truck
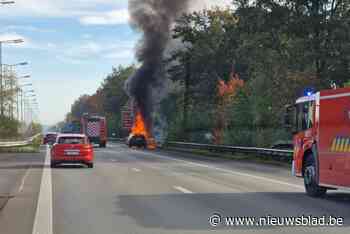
x=322, y=140
x=95, y=128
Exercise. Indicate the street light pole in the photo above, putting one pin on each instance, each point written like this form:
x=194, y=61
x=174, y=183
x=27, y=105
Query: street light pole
x=19, y=93
x=1, y=78
x=16, y=64
x=6, y=2
x=23, y=96
x=14, y=82
x=10, y=80
x=1, y=67
x=22, y=106
x=17, y=105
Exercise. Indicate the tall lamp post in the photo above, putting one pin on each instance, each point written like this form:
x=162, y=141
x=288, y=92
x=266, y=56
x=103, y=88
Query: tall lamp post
x=6, y=2
x=13, y=82
x=23, y=96
x=20, y=96
x=32, y=103
x=16, y=41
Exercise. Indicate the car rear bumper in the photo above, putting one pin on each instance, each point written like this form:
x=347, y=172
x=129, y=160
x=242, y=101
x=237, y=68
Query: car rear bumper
x=71, y=161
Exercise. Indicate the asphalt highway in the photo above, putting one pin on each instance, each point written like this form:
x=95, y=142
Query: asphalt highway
x=139, y=192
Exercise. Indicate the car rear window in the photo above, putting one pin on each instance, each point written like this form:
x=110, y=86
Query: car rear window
x=71, y=140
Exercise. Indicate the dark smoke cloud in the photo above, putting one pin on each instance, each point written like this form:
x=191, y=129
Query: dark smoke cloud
x=154, y=18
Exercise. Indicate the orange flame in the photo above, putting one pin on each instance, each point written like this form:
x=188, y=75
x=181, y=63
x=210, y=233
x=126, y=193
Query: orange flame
x=140, y=128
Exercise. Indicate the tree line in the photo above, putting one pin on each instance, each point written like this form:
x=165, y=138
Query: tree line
x=232, y=71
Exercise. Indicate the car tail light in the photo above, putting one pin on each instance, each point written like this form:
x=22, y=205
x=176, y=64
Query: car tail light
x=87, y=147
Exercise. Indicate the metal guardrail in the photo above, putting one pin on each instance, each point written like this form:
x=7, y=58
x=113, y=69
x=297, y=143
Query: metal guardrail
x=114, y=139
x=18, y=143
x=233, y=149
x=225, y=148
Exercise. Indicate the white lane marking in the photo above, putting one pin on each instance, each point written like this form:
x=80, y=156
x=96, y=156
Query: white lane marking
x=43, y=216
x=112, y=152
x=20, y=189
x=227, y=171
x=182, y=189
x=114, y=160
x=136, y=169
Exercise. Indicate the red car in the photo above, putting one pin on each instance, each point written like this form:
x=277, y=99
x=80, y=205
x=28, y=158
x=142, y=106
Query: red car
x=50, y=138
x=72, y=149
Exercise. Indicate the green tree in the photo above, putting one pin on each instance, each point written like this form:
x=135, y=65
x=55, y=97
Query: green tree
x=277, y=47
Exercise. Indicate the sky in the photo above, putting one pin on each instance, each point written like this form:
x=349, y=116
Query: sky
x=71, y=46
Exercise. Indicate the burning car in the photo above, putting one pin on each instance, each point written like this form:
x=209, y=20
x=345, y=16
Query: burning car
x=137, y=140
x=140, y=135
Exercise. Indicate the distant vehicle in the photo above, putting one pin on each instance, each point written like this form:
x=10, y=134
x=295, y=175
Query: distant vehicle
x=72, y=148
x=137, y=140
x=95, y=128
x=50, y=138
x=322, y=140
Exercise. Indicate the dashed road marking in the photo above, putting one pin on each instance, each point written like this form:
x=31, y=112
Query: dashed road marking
x=20, y=189
x=136, y=169
x=111, y=152
x=43, y=215
x=182, y=189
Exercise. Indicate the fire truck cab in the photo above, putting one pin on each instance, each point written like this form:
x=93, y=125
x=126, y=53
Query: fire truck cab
x=321, y=124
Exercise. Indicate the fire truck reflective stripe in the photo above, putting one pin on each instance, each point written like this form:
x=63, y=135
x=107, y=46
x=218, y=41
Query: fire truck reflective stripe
x=346, y=145
x=343, y=145
x=340, y=145
x=342, y=142
x=334, y=145
x=339, y=142
x=337, y=148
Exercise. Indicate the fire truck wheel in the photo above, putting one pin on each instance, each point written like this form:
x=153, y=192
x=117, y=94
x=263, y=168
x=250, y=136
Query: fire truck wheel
x=311, y=186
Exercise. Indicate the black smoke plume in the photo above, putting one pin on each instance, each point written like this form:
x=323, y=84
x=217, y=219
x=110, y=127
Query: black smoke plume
x=154, y=18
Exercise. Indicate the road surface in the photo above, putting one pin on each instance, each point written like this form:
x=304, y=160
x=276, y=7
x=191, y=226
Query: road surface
x=131, y=191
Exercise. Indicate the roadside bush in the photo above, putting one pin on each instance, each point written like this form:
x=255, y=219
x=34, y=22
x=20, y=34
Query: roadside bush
x=9, y=129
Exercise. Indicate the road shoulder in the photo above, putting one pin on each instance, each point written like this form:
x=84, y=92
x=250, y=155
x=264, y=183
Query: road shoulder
x=18, y=214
